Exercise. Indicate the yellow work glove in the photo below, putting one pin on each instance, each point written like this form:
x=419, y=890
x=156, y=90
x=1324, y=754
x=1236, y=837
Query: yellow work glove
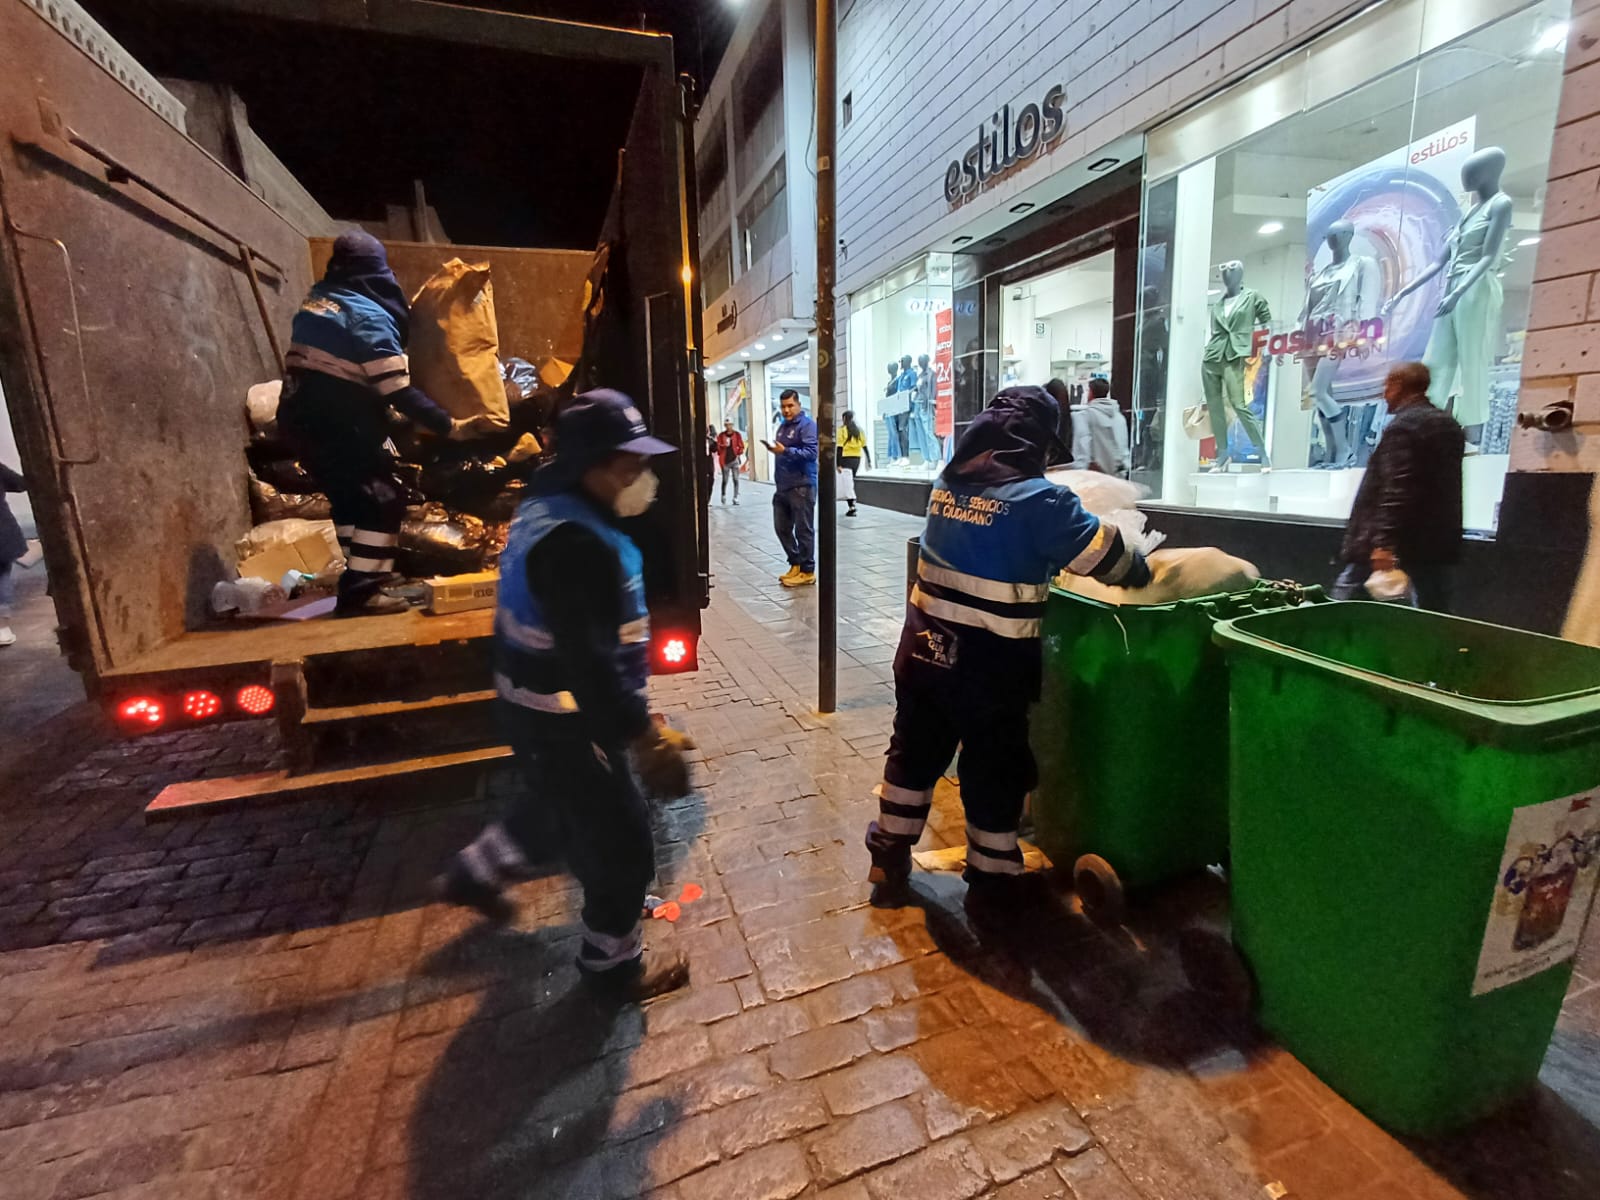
x=658, y=756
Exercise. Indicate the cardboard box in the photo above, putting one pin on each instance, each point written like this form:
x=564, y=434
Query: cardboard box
x=462, y=593
x=309, y=554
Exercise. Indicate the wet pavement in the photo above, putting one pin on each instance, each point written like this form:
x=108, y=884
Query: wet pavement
x=265, y=1003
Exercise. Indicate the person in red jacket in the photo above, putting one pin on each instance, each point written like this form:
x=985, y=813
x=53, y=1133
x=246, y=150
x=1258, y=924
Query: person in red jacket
x=730, y=452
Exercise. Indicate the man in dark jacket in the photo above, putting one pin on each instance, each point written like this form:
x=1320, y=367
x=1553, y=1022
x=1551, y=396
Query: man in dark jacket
x=346, y=366
x=1407, y=515
x=572, y=659
x=970, y=660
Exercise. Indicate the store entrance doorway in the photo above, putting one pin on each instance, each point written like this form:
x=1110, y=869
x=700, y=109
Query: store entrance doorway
x=1056, y=330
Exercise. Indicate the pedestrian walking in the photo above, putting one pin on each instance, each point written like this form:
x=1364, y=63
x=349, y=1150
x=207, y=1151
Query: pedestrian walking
x=730, y=455
x=794, y=505
x=12, y=547
x=852, y=449
x=572, y=641
x=1407, y=512
x=969, y=662
x=346, y=367
x=1100, y=433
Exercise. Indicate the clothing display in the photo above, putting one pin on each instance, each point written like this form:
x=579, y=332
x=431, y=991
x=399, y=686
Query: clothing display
x=1233, y=319
x=1462, y=343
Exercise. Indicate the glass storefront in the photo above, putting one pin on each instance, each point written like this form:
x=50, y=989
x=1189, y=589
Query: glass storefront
x=903, y=369
x=1372, y=199
x=1057, y=327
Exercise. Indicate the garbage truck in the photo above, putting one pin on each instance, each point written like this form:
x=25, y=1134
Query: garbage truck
x=146, y=284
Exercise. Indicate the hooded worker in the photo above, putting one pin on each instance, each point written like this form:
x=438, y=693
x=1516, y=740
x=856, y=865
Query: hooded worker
x=969, y=661
x=346, y=367
x=572, y=641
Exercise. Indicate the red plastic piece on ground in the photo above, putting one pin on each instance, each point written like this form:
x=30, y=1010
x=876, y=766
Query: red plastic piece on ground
x=691, y=893
x=255, y=699
x=667, y=912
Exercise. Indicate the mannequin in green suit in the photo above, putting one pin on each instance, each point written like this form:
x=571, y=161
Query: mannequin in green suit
x=1233, y=319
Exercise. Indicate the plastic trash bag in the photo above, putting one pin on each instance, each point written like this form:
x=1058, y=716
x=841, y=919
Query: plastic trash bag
x=521, y=376
x=1112, y=499
x=245, y=597
x=435, y=541
x=267, y=503
x=270, y=465
x=261, y=405
x=1391, y=587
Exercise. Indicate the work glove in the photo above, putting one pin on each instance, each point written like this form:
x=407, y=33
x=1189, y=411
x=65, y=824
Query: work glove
x=658, y=756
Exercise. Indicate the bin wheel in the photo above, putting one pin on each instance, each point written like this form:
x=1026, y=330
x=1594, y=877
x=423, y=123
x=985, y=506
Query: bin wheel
x=1215, y=968
x=1099, y=889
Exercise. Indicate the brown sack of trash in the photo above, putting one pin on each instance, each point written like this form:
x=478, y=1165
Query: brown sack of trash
x=455, y=342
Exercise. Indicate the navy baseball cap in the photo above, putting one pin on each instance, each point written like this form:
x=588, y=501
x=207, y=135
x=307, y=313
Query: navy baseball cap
x=604, y=422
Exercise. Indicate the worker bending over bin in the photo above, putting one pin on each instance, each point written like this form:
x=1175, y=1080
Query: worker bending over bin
x=572, y=641
x=969, y=660
x=346, y=367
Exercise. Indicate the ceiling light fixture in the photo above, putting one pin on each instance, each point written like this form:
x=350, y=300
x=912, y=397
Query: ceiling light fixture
x=1529, y=241
x=1104, y=164
x=1022, y=207
x=962, y=240
x=1269, y=228
x=761, y=345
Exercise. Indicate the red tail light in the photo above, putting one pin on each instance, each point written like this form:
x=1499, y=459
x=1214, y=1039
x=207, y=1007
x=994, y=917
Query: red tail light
x=201, y=706
x=675, y=652
x=142, y=712
x=255, y=700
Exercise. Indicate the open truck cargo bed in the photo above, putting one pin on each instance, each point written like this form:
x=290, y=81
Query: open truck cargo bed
x=145, y=286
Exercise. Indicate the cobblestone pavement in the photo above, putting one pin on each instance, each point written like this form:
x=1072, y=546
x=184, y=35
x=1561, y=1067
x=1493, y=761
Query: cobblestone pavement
x=264, y=1004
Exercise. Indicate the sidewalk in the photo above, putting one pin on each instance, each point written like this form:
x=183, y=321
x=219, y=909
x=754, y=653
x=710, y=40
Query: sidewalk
x=264, y=1004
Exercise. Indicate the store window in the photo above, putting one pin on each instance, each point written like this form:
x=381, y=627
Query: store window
x=904, y=369
x=735, y=406
x=1374, y=198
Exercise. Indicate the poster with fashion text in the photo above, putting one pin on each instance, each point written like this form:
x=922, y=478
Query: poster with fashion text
x=1403, y=205
x=1543, y=890
x=944, y=396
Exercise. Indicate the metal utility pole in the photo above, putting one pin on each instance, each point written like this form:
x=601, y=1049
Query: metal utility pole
x=827, y=265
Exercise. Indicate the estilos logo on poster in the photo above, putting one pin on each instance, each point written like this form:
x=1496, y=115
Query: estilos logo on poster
x=1005, y=141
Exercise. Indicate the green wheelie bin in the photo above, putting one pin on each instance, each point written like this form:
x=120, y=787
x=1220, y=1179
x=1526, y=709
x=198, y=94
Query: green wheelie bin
x=1131, y=738
x=1415, y=821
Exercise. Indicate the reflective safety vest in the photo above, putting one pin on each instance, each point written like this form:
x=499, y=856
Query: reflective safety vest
x=527, y=671
x=340, y=332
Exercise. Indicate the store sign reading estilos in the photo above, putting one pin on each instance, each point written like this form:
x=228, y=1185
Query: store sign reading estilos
x=1005, y=141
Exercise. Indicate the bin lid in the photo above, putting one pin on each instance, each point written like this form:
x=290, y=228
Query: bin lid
x=1258, y=597
x=1490, y=682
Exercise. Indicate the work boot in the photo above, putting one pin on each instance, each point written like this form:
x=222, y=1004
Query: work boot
x=799, y=579
x=789, y=574
x=375, y=605
x=651, y=974
x=890, y=875
x=458, y=886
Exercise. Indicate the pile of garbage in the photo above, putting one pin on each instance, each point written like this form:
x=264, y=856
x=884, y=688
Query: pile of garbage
x=1176, y=574
x=460, y=494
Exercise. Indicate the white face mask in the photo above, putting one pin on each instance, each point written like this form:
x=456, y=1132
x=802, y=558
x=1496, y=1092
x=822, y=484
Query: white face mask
x=636, y=499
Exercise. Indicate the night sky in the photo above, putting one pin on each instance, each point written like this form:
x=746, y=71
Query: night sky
x=513, y=149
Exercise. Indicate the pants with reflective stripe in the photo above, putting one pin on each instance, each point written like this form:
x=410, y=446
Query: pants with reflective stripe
x=366, y=514
x=583, y=798
x=935, y=712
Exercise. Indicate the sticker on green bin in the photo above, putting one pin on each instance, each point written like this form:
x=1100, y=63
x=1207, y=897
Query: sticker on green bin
x=1543, y=892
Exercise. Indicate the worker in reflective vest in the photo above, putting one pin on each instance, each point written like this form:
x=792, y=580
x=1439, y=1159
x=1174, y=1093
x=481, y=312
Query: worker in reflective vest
x=346, y=367
x=969, y=661
x=572, y=637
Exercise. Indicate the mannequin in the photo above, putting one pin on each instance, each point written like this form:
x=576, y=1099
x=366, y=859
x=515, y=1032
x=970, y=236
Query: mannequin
x=889, y=411
x=922, y=411
x=1344, y=292
x=1466, y=323
x=1234, y=318
x=904, y=398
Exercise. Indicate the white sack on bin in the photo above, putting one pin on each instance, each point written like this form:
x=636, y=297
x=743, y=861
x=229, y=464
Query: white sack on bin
x=1177, y=574
x=1111, y=499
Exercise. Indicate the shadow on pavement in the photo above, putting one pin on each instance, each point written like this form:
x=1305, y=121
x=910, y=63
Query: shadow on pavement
x=521, y=1100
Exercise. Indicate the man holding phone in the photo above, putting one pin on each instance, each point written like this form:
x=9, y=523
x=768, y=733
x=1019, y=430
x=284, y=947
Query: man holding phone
x=794, y=504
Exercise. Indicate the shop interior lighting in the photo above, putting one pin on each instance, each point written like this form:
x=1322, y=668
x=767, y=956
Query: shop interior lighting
x=962, y=240
x=1528, y=241
x=744, y=354
x=1552, y=39
x=1023, y=207
x=1104, y=164
x=1269, y=228
x=761, y=345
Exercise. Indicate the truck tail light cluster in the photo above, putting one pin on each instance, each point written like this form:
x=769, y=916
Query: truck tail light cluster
x=143, y=714
x=674, y=652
